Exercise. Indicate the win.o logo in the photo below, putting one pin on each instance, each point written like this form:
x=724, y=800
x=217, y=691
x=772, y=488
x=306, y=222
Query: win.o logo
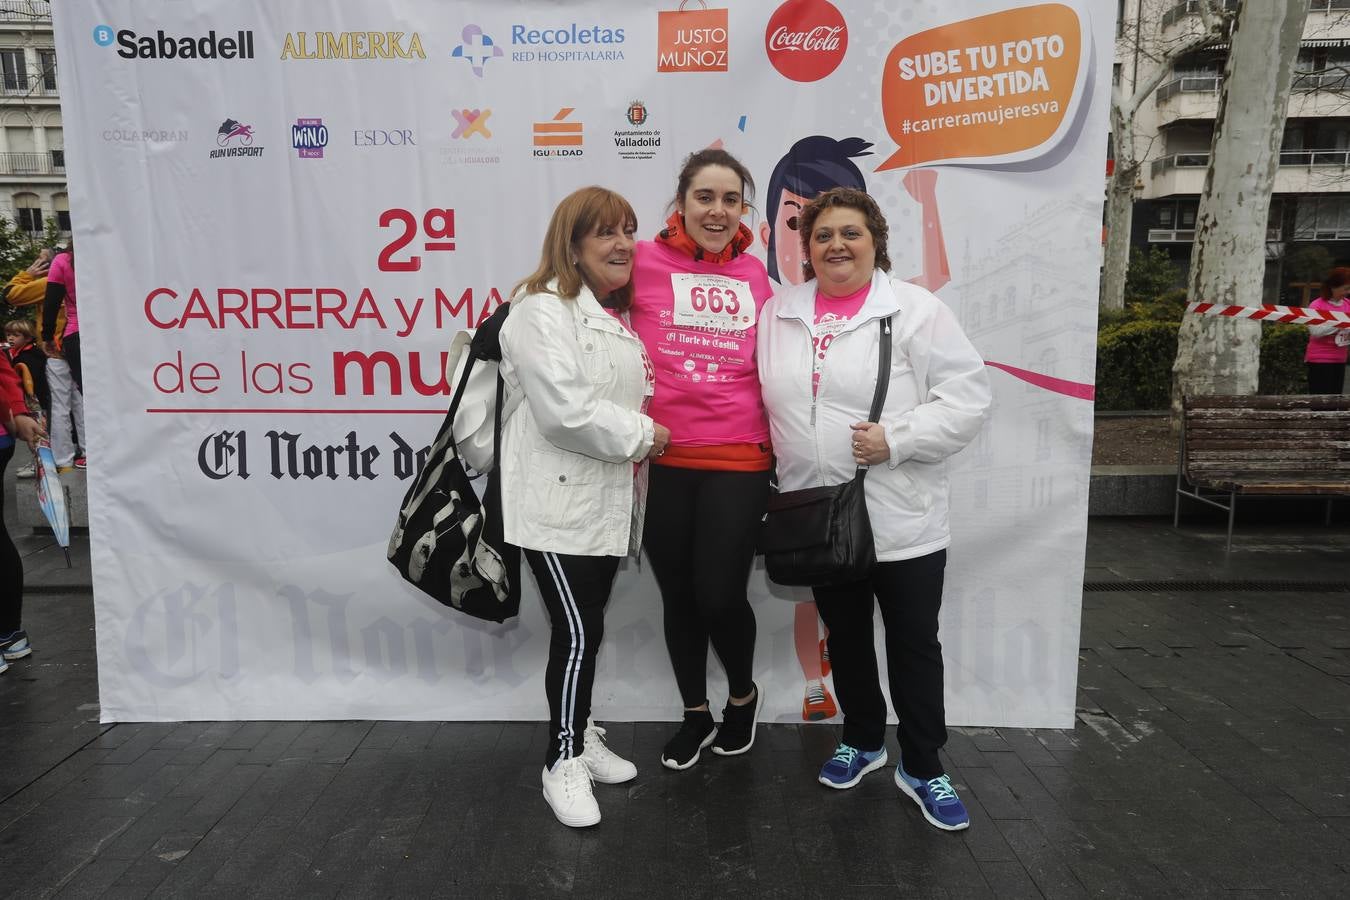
x=103, y=35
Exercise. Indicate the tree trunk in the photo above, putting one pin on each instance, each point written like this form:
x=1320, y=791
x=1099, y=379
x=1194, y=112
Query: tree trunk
x=1119, y=221
x=1214, y=355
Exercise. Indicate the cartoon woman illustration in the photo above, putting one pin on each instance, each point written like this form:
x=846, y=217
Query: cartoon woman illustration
x=813, y=165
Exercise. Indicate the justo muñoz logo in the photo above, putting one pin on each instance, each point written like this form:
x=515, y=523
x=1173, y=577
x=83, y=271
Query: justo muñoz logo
x=806, y=39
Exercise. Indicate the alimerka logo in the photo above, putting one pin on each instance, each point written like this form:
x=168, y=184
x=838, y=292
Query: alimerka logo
x=352, y=45
x=806, y=39
x=692, y=40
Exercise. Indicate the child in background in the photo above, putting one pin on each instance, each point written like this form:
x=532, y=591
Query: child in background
x=30, y=363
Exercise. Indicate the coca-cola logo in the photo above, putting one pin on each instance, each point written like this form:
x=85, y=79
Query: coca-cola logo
x=806, y=39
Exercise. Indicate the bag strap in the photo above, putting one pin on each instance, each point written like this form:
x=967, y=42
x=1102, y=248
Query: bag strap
x=445, y=440
x=883, y=378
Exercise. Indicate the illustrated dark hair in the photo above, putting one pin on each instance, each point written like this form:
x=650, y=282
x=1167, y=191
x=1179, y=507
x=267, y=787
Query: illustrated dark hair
x=812, y=166
x=846, y=198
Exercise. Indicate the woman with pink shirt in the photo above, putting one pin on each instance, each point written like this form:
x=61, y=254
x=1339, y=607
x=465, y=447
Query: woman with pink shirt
x=697, y=298
x=1327, y=344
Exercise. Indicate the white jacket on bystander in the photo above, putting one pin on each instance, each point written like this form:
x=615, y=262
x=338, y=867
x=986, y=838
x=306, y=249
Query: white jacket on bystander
x=935, y=404
x=569, y=480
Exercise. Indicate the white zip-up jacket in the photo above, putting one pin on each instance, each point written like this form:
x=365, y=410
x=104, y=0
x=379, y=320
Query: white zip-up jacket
x=935, y=405
x=569, y=484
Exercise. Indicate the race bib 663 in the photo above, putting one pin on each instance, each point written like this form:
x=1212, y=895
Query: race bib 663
x=712, y=301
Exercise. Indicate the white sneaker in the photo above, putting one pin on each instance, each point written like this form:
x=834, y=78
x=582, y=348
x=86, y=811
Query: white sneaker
x=27, y=471
x=568, y=792
x=4, y=665
x=606, y=766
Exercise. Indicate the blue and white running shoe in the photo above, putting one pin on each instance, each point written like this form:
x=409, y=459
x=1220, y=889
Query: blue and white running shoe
x=936, y=797
x=849, y=764
x=15, y=645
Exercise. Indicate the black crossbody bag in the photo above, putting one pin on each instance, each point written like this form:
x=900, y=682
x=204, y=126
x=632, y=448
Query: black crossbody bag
x=822, y=536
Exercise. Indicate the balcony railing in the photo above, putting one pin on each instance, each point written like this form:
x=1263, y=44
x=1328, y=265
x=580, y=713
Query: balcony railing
x=1179, y=161
x=14, y=87
x=23, y=11
x=1337, y=81
x=1192, y=8
x=1189, y=84
x=51, y=163
x=1187, y=235
x=1291, y=158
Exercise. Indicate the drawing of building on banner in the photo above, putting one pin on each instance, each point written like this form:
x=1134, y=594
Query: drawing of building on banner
x=1017, y=302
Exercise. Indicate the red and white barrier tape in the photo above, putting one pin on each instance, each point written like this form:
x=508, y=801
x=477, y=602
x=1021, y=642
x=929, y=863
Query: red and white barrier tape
x=1293, y=315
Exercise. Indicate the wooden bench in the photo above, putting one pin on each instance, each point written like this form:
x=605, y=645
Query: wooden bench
x=1276, y=446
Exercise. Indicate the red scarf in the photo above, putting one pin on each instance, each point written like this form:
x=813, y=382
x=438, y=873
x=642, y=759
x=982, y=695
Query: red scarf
x=674, y=235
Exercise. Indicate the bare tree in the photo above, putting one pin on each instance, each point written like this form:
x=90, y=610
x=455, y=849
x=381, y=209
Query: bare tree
x=1220, y=355
x=1147, y=41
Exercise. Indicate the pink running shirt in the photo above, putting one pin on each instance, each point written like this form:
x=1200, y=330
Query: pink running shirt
x=697, y=320
x=63, y=272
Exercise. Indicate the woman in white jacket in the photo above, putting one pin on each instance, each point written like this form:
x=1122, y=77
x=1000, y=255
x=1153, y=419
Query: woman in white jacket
x=818, y=346
x=573, y=465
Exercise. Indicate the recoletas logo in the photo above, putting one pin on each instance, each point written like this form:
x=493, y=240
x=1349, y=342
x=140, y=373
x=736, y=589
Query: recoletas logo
x=161, y=45
x=572, y=42
x=477, y=48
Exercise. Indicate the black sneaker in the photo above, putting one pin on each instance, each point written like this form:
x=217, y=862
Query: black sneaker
x=737, y=734
x=697, y=732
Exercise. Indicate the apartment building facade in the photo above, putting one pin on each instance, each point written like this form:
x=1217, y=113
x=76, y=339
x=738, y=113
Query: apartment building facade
x=32, y=145
x=1310, y=207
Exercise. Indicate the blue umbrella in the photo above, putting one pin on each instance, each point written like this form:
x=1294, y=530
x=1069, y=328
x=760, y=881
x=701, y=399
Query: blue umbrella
x=51, y=495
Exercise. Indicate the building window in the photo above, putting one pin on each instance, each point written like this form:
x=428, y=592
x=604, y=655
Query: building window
x=1322, y=219
x=14, y=69
x=61, y=205
x=1115, y=74
x=47, y=62
x=58, y=160
x=28, y=213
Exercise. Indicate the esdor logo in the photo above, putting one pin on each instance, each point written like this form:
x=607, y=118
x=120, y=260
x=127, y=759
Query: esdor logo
x=806, y=39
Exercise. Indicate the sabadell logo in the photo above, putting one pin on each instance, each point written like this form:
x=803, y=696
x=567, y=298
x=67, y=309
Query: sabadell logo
x=806, y=39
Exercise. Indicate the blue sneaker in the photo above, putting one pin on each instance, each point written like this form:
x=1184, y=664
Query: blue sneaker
x=849, y=764
x=936, y=797
x=15, y=645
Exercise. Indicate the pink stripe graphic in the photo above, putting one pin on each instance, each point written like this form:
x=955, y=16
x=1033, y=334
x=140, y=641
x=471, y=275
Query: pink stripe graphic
x=1074, y=389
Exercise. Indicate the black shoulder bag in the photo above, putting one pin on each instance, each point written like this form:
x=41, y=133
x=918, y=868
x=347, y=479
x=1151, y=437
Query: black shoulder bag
x=822, y=536
x=446, y=543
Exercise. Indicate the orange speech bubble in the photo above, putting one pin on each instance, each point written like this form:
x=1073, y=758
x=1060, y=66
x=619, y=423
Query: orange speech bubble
x=993, y=88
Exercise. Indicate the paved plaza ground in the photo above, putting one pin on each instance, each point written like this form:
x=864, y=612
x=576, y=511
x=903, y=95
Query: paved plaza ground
x=1210, y=757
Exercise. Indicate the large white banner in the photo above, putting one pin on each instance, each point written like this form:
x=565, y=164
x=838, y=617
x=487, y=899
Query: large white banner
x=284, y=210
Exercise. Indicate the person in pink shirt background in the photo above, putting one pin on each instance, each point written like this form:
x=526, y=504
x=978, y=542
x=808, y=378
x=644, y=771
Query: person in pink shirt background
x=1328, y=344
x=697, y=299
x=64, y=372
